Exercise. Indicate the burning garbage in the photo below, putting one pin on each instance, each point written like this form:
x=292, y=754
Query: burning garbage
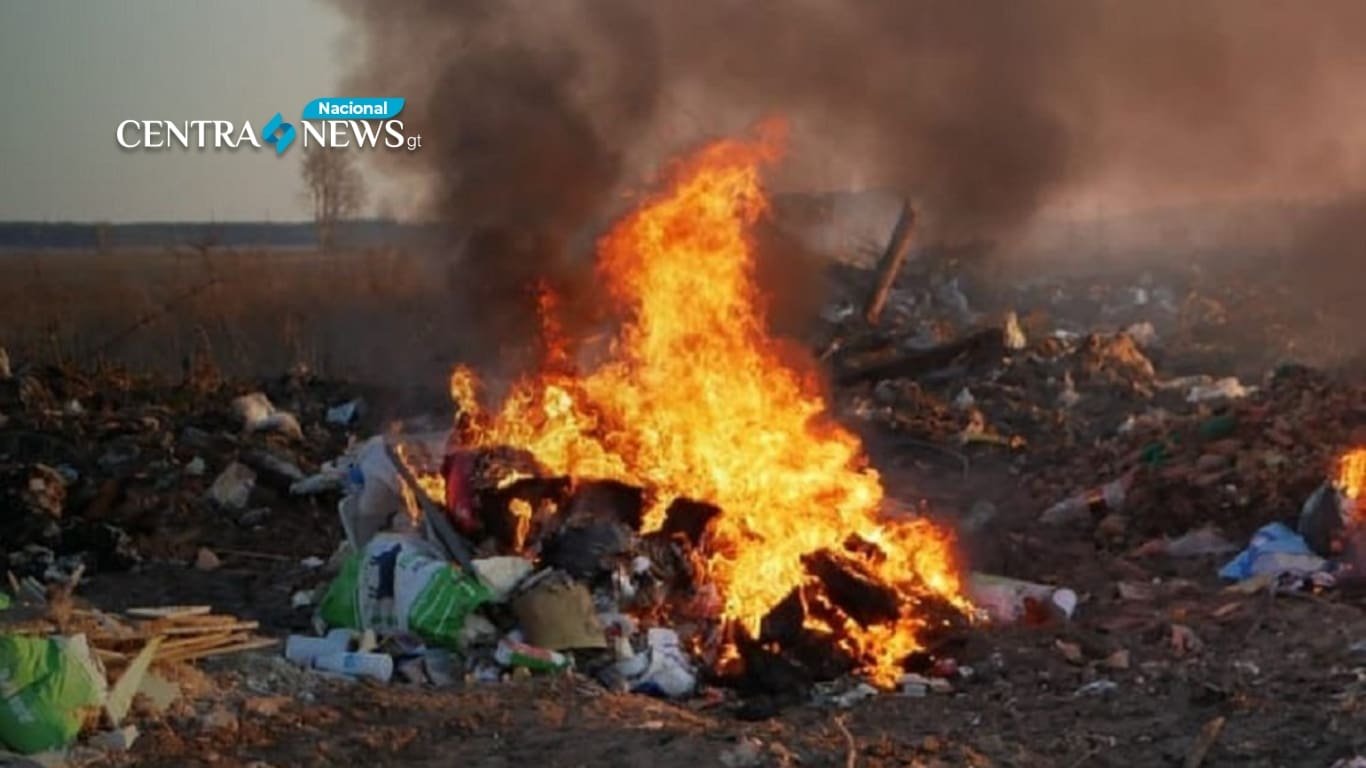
x=689, y=495
x=678, y=509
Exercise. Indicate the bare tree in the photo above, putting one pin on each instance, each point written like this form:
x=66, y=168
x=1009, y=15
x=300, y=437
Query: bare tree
x=335, y=187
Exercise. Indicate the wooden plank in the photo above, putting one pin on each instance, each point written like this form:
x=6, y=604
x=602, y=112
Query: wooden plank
x=211, y=629
x=197, y=641
x=183, y=635
x=109, y=656
x=168, y=611
x=120, y=697
x=212, y=618
x=245, y=645
x=194, y=626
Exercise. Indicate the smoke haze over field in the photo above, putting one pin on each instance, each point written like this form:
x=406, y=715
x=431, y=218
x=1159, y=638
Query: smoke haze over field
x=539, y=116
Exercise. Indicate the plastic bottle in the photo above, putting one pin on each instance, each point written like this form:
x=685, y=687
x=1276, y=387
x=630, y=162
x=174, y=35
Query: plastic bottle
x=1007, y=600
x=303, y=650
x=377, y=666
x=511, y=653
x=1083, y=506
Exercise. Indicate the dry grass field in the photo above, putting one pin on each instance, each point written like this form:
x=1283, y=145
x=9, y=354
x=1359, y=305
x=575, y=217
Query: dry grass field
x=354, y=314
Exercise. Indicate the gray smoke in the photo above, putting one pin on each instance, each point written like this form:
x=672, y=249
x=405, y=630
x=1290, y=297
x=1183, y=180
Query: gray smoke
x=537, y=115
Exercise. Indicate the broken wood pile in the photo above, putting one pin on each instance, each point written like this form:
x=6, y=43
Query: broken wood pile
x=185, y=633
x=174, y=634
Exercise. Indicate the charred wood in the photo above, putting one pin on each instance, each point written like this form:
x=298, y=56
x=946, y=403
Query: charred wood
x=852, y=589
x=983, y=345
x=889, y=266
x=689, y=518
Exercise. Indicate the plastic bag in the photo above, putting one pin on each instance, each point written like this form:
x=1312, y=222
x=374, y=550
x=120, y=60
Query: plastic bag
x=374, y=499
x=1274, y=549
x=46, y=685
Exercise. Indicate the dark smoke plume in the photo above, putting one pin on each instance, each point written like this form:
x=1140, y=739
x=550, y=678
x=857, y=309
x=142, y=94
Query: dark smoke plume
x=537, y=115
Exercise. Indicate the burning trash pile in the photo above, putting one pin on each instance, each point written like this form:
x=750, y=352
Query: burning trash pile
x=683, y=504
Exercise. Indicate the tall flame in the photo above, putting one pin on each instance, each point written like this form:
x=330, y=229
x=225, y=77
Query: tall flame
x=695, y=401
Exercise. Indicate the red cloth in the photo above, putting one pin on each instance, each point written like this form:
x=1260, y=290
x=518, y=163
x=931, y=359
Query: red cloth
x=459, y=471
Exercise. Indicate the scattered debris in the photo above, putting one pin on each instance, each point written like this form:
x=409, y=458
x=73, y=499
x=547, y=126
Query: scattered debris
x=1204, y=742
x=1222, y=389
x=375, y=666
x=1097, y=688
x=206, y=560
x=1081, y=507
x=117, y=740
x=1184, y=642
x=1071, y=652
x=258, y=414
x=1009, y=600
x=1274, y=550
x=346, y=413
x=1119, y=660
x=1197, y=543
x=232, y=489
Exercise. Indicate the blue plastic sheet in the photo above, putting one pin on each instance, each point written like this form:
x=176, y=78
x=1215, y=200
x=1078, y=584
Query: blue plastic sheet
x=1274, y=549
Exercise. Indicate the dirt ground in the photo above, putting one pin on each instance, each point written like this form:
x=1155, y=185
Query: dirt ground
x=1158, y=652
x=1282, y=673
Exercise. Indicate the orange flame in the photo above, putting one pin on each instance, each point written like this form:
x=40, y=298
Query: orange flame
x=521, y=512
x=433, y=485
x=695, y=401
x=1352, y=478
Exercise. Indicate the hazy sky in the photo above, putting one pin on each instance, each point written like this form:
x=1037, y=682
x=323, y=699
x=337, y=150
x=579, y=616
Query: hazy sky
x=71, y=70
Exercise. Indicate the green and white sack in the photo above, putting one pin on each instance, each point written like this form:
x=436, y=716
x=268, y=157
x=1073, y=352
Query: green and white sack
x=402, y=585
x=47, y=684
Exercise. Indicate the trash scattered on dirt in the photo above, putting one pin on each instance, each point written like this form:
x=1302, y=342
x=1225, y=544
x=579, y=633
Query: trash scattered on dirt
x=1200, y=542
x=54, y=684
x=1087, y=442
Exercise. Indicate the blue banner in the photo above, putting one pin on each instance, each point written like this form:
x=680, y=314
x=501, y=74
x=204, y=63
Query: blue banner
x=349, y=108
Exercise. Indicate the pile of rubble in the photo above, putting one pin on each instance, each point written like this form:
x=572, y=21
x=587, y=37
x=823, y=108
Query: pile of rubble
x=105, y=469
x=103, y=472
x=1236, y=463
x=1095, y=398
x=1050, y=397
